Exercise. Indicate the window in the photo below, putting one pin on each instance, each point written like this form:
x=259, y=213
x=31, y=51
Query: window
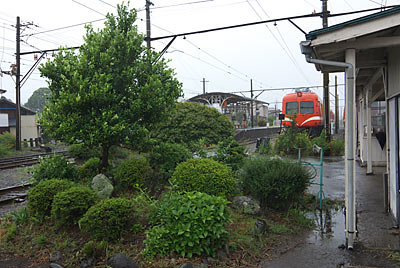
x=292, y=107
x=307, y=107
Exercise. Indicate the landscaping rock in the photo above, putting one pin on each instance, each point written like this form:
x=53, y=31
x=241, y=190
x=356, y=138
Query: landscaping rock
x=121, y=261
x=187, y=265
x=55, y=257
x=88, y=263
x=55, y=265
x=260, y=227
x=102, y=186
x=246, y=205
x=202, y=265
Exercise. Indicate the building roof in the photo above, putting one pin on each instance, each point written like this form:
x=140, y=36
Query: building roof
x=220, y=97
x=24, y=110
x=313, y=34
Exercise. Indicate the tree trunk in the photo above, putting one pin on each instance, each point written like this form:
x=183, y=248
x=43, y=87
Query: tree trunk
x=104, y=158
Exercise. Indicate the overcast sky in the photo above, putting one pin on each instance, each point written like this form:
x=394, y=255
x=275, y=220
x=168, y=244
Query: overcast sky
x=269, y=53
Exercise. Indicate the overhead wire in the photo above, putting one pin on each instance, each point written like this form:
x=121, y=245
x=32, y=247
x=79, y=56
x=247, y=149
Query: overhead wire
x=287, y=50
x=79, y=3
x=183, y=4
x=212, y=56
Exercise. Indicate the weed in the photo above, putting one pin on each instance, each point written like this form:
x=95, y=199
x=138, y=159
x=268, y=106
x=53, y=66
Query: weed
x=279, y=229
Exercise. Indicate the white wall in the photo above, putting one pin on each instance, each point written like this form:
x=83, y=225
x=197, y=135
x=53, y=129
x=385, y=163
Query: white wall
x=28, y=127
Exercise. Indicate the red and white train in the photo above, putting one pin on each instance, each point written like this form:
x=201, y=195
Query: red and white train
x=306, y=106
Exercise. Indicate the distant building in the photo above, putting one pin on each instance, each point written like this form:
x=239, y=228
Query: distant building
x=8, y=111
x=237, y=108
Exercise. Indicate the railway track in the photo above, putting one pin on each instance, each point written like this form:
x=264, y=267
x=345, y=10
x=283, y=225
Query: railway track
x=15, y=193
x=22, y=161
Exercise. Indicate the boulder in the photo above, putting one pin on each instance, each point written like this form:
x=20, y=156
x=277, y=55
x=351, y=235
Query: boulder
x=102, y=186
x=246, y=205
x=260, y=227
x=121, y=261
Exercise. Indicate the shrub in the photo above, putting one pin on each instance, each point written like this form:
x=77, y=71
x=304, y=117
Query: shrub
x=275, y=183
x=89, y=169
x=290, y=141
x=40, y=197
x=54, y=167
x=165, y=156
x=204, y=175
x=132, y=172
x=108, y=219
x=81, y=152
x=95, y=249
x=230, y=152
x=189, y=224
x=69, y=206
x=262, y=123
x=7, y=143
x=321, y=141
x=336, y=147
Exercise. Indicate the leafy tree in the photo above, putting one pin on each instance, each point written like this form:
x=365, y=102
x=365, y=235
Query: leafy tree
x=110, y=91
x=189, y=122
x=37, y=101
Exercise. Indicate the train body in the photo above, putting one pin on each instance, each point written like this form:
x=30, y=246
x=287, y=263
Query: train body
x=306, y=107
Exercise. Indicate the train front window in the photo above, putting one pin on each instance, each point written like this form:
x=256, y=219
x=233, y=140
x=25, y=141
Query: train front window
x=292, y=107
x=307, y=107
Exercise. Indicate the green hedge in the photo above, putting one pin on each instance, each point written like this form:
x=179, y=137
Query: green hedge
x=131, y=172
x=109, y=219
x=276, y=183
x=40, y=197
x=55, y=166
x=69, y=206
x=205, y=175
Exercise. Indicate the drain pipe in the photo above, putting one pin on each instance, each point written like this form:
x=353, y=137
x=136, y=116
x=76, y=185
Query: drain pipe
x=349, y=138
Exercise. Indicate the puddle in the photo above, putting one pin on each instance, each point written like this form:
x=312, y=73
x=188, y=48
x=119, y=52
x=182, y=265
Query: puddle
x=329, y=228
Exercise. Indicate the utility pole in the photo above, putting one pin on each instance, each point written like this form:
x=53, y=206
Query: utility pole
x=148, y=29
x=336, y=108
x=325, y=14
x=204, y=85
x=18, y=88
x=251, y=106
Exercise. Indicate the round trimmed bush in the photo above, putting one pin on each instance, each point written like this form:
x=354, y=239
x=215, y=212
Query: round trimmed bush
x=109, y=219
x=132, y=172
x=81, y=152
x=230, y=152
x=54, y=167
x=40, y=197
x=89, y=169
x=165, y=156
x=189, y=224
x=69, y=206
x=206, y=176
x=275, y=183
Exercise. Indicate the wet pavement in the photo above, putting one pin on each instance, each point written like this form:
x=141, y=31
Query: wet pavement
x=377, y=244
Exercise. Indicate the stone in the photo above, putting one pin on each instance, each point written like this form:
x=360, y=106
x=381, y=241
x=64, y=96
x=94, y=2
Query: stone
x=187, y=265
x=55, y=265
x=246, y=205
x=201, y=265
x=221, y=254
x=102, y=186
x=90, y=262
x=55, y=257
x=121, y=261
x=260, y=227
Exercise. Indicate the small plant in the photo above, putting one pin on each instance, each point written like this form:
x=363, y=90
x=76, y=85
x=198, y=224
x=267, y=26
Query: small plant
x=89, y=169
x=69, y=206
x=7, y=143
x=19, y=216
x=230, y=152
x=275, y=183
x=321, y=141
x=41, y=240
x=206, y=176
x=109, y=219
x=40, y=197
x=132, y=172
x=279, y=228
x=336, y=147
x=189, y=224
x=95, y=249
x=54, y=167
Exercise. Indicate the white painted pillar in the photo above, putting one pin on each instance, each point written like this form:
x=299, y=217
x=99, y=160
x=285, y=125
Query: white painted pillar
x=350, y=147
x=369, y=128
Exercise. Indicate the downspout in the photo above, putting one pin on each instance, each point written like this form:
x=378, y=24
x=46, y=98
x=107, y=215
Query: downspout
x=350, y=150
